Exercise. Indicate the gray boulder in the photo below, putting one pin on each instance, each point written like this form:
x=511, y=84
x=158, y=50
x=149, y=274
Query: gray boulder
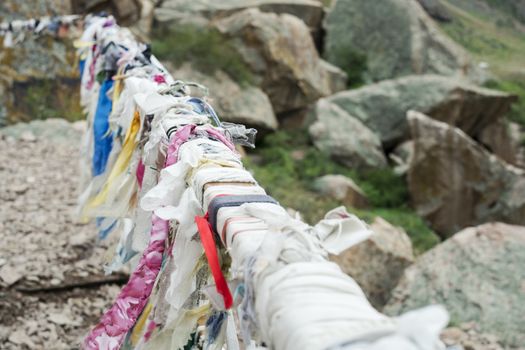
x=344, y=137
x=454, y=182
x=310, y=11
x=245, y=105
x=383, y=106
x=477, y=275
x=396, y=37
x=279, y=50
x=503, y=139
x=436, y=10
x=343, y=189
x=126, y=11
x=378, y=263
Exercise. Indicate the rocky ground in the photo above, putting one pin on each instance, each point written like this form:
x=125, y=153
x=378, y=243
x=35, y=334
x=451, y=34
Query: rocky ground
x=52, y=287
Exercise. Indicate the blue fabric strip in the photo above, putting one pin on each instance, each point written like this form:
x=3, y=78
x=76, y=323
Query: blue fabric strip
x=104, y=231
x=102, y=141
x=81, y=65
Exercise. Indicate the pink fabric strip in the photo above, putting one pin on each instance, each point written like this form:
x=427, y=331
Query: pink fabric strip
x=91, y=80
x=183, y=134
x=140, y=172
x=121, y=317
x=220, y=136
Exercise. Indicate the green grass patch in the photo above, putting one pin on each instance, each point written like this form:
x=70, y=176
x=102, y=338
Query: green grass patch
x=351, y=61
x=422, y=237
x=287, y=166
x=383, y=187
x=488, y=36
x=204, y=47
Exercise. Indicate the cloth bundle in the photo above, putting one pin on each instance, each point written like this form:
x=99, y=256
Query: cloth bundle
x=57, y=26
x=213, y=257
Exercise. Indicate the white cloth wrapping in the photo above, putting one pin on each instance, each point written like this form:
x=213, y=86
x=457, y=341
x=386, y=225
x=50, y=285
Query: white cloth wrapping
x=171, y=181
x=227, y=189
x=219, y=174
x=340, y=230
x=124, y=109
x=304, y=302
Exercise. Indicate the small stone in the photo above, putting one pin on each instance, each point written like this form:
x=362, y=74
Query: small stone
x=60, y=319
x=55, y=281
x=341, y=188
x=20, y=189
x=79, y=239
x=19, y=337
x=10, y=274
x=28, y=136
x=31, y=326
x=298, y=154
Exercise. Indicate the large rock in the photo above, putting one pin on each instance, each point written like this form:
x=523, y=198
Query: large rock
x=138, y=15
x=503, y=139
x=378, y=263
x=126, y=11
x=478, y=275
x=455, y=183
x=345, y=138
x=38, y=78
x=246, y=105
x=436, y=10
x=343, y=189
x=397, y=38
x=310, y=11
x=280, y=52
x=383, y=106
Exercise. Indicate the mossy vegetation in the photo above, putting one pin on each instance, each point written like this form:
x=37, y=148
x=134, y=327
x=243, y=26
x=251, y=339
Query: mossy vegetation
x=353, y=62
x=286, y=166
x=44, y=99
x=205, y=47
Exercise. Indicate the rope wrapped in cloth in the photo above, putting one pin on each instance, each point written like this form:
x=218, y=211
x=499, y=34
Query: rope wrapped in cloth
x=293, y=296
x=208, y=245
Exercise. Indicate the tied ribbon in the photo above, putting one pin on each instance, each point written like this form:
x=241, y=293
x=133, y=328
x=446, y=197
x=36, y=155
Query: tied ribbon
x=208, y=243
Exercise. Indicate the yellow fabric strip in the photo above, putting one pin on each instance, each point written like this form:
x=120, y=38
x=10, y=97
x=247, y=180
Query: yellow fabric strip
x=121, y=163
x=136, y=334
x=78, y=44
x=118, y=86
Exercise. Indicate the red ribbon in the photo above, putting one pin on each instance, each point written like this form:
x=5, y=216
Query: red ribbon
x=208, y=243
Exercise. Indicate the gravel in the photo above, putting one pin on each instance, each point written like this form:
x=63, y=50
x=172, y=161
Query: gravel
x=52, y=284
